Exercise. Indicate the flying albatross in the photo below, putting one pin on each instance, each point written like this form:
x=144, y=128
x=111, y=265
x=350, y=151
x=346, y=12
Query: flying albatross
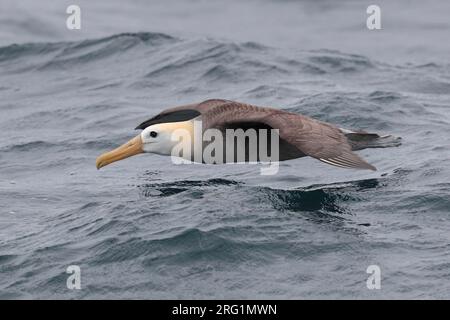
x=299, y=135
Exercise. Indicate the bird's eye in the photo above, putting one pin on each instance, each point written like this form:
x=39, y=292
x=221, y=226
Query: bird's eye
x=153, y=134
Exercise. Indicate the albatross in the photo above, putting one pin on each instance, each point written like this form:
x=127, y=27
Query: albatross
x=299, y=135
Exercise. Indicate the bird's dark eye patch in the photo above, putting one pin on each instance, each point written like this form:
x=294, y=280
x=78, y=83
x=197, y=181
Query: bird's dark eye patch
x=174, y=116
x=153, y=134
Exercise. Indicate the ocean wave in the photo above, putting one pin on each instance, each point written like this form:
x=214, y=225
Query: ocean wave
x=221, y=59
x=331, y=61
x=119, y=42
x=64, y=55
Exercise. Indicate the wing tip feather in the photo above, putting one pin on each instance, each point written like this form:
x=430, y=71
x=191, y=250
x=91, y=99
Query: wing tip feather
x=354, y=162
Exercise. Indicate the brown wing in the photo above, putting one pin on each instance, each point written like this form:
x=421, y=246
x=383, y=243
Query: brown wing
x=314, y=138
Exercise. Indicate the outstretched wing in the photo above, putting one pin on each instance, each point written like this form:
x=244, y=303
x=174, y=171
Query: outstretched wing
x=314, y=138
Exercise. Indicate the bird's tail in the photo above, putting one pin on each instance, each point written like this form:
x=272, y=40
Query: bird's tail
x=364, y=140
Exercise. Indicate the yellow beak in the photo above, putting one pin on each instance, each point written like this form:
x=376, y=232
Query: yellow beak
x=131, y=148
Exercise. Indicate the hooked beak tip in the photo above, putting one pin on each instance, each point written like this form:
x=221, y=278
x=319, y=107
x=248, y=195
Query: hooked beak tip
x=98, y=164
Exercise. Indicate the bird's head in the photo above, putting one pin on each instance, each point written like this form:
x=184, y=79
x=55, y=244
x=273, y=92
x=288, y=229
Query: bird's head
x=157, y=138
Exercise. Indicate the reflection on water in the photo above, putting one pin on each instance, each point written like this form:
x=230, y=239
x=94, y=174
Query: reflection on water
x=325, y=198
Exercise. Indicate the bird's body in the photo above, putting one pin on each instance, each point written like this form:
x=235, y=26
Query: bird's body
x=297, y=135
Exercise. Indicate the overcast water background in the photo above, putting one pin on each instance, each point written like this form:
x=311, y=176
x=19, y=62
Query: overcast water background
x=145, y=228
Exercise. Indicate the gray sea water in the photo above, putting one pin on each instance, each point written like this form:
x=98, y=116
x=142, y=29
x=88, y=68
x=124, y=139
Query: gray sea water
x=145, y=228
